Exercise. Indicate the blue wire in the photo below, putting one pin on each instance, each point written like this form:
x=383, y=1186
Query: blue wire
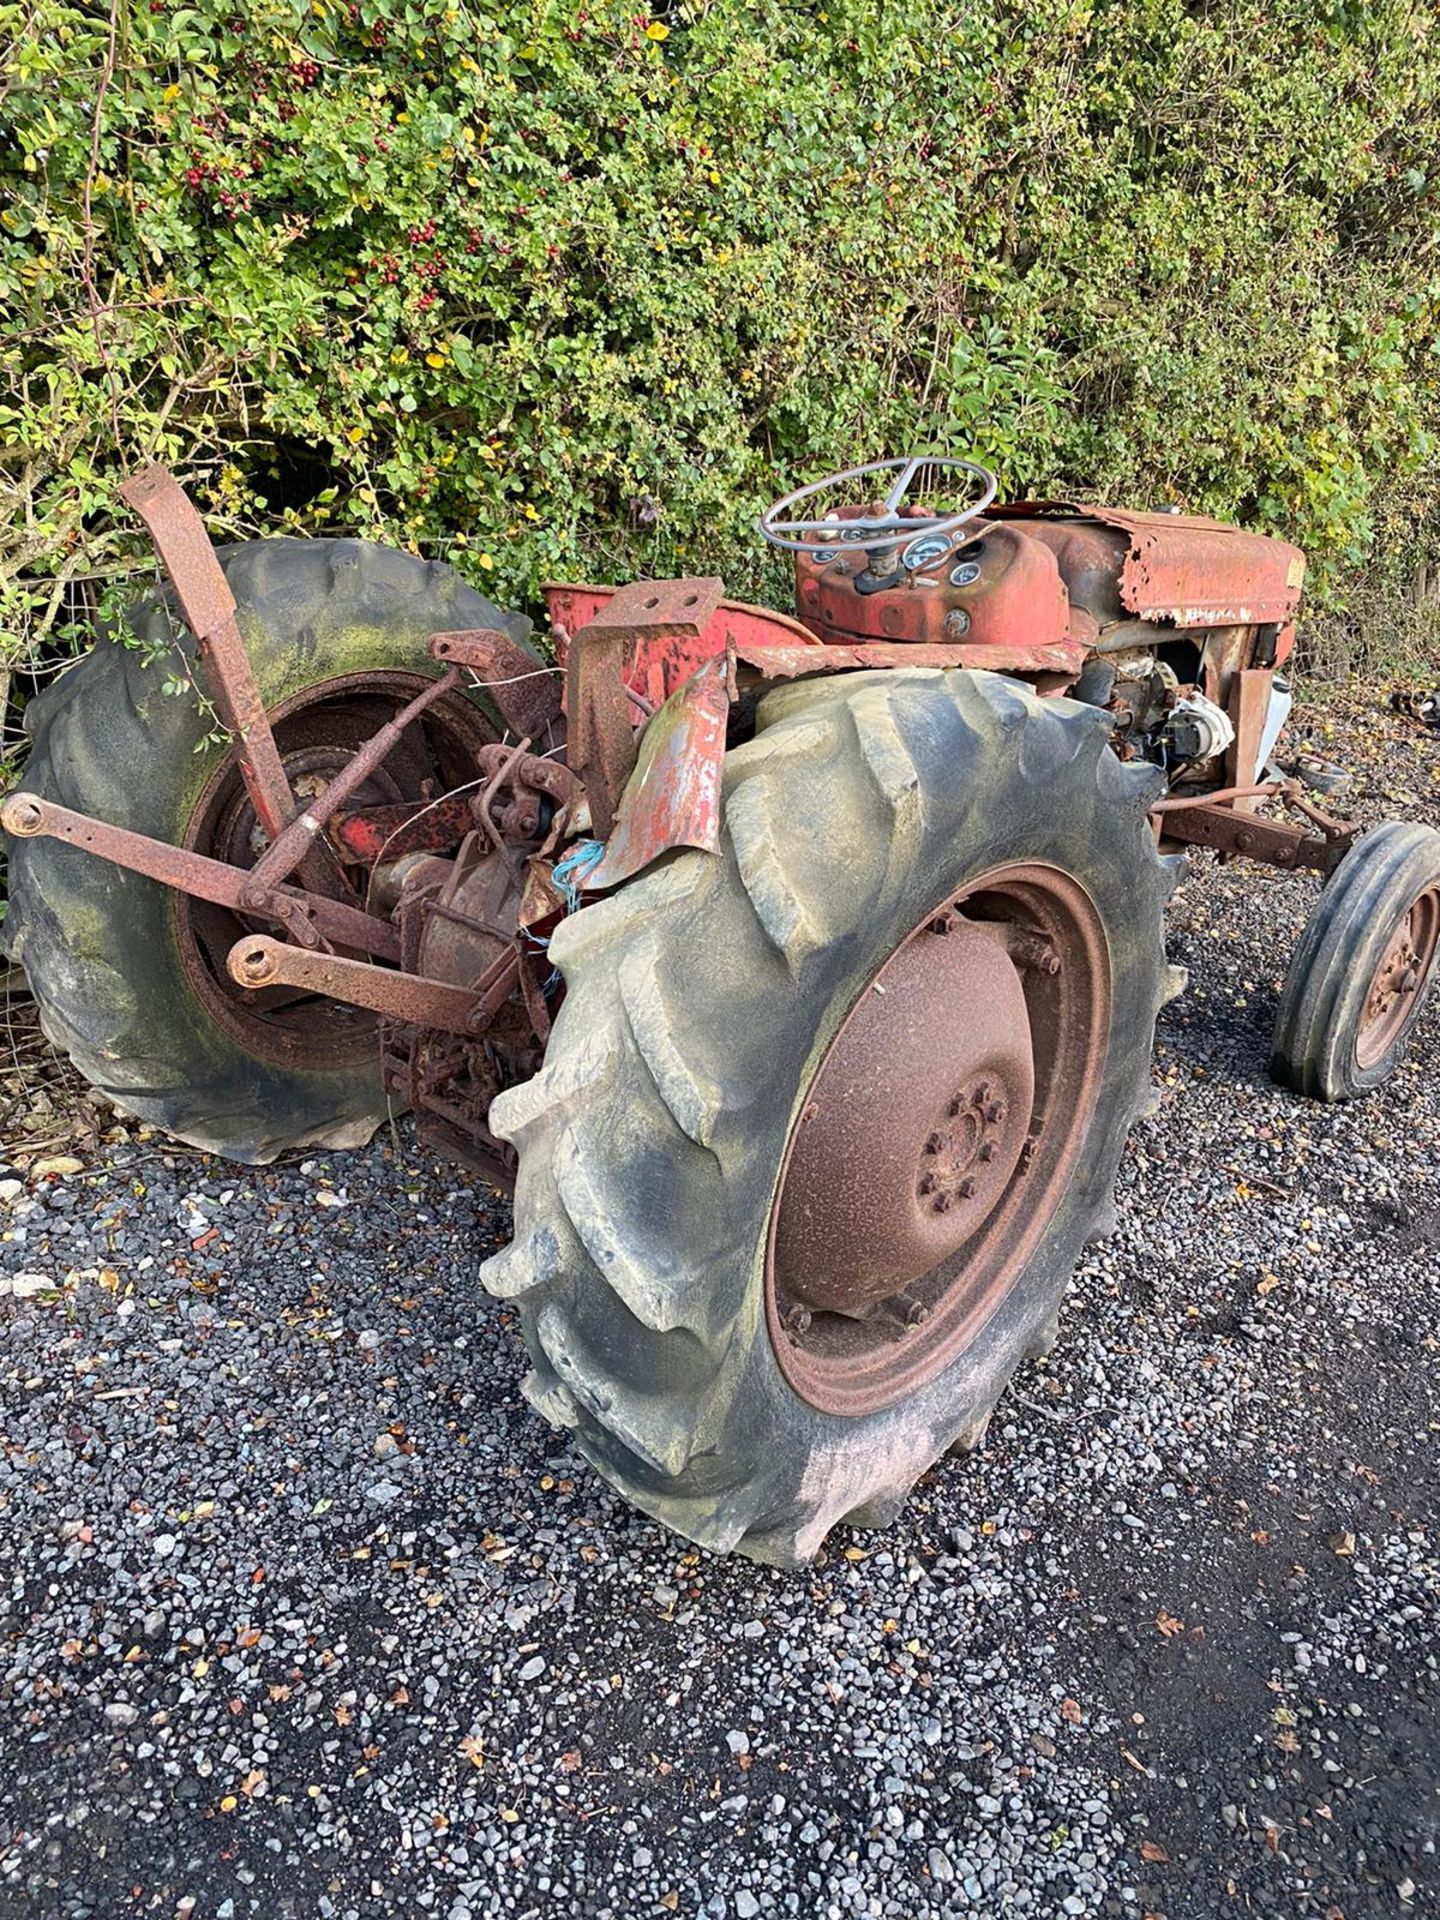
x=571, y=873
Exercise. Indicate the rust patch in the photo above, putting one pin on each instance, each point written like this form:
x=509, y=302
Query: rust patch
x=1188, y=569
x=673, y=797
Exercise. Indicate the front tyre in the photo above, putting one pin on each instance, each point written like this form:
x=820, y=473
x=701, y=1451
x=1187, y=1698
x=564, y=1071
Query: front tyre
x=827, y=1116
x=1364, y=967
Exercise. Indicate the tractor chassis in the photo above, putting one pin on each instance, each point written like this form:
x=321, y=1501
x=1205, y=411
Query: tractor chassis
x=575, y=766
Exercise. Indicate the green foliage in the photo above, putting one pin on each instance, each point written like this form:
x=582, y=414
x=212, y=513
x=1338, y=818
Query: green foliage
x=571, y=289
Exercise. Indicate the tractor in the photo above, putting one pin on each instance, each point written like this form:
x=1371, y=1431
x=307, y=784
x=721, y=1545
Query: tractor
x=797, y=973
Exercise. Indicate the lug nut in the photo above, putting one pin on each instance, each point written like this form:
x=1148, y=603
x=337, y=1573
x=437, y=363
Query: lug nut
x=985, y=1150
x=1038, y=955
x=965, y=1190
x=994, y=1112
x=936, y=1142
x=928, y=1183
x=943, y=1202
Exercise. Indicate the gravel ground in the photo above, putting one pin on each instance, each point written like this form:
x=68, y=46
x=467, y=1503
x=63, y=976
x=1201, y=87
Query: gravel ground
x=303, y=1613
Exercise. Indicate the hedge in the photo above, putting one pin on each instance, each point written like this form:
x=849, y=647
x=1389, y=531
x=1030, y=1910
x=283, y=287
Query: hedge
x=572, y=289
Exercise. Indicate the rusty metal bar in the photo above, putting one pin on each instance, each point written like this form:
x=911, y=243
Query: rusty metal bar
x=1181, y=803
x=306, y=915
x=1276, y=842
x=258, y=961
x=286, y=852
x=205, y=598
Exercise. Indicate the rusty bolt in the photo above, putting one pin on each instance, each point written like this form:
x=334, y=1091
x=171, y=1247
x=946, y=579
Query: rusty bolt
x=981, y=1094
x=995, y=1111
x=796, y=1321
x=807, y=1114
x=966, y=1189
x=928, y=1183
x=1037, y=955
x=943, y=1202
x=24, y=816
x=255, y=897
x=936, y=1142
x=941, y=924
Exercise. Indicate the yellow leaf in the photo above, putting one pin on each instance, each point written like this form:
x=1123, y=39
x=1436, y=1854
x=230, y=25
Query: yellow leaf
x=200, y=1669
x=656, y=31
x=509, y=1816
x=434, y=359
x=486, y=561
x=229, y=1803
x=170, y=93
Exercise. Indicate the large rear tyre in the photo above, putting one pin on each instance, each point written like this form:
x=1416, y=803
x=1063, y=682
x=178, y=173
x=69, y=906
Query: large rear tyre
x=130, y=976
x=827, y=1116
x=1364, y=967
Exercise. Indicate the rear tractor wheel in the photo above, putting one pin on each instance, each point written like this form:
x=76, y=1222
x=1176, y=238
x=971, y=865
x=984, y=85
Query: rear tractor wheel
x=129, y=976
x=827, y=1117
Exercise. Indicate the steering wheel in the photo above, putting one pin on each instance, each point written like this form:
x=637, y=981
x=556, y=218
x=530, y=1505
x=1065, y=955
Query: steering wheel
x=876, y=532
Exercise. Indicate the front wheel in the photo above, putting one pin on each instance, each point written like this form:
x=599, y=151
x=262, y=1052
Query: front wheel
x=1364, y=967
x=827, y=1116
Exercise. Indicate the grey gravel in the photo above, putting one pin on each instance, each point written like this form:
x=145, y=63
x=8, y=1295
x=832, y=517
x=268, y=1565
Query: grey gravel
x=1166, y=1645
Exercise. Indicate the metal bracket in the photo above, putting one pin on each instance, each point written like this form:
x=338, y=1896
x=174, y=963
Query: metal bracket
x=1215, y=820
x=602, y=742
x=526, y=695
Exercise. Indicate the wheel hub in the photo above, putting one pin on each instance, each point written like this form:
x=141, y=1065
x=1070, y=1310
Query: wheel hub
x=317, y=733
x=1394, y=993
x=936, y=1138
x=883, y=1185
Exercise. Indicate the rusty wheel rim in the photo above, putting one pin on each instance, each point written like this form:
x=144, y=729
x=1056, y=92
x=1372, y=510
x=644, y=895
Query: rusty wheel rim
x=936, y=1138
x=1397, y=987
x=317, y=732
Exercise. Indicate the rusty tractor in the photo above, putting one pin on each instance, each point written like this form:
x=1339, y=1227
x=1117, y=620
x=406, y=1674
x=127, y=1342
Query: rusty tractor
x=799, y=974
